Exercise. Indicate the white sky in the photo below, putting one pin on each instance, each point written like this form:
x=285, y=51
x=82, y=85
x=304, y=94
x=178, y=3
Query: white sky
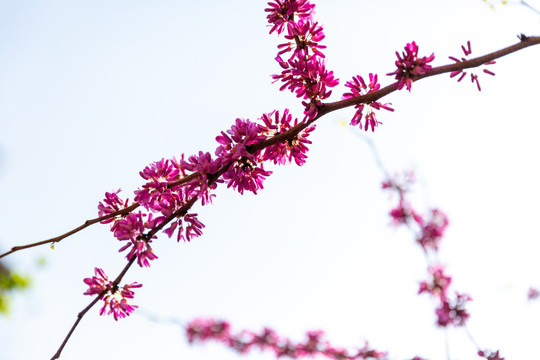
x=91, y=92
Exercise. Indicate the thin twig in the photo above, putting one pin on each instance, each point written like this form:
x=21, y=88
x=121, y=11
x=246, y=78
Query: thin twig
x=86, y=224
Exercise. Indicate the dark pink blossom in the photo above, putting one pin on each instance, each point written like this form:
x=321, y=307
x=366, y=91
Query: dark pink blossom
x=410, y=66
x=246, y=175
x=112, y=203
x=233, y=143
x=453, y=313
x=295, y=148
x=116, y=299
x=438, y=284
x=188, y=227
x=308, y=79
x=404, y=213
x=131, y=228
x=204, y=165
x=358, y=87
x=474, y=78
x=433, y=230
x=156, y=195
x=304, y=36
x=281, y=13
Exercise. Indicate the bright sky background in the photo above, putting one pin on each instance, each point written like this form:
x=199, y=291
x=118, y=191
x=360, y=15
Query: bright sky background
x=93, y=91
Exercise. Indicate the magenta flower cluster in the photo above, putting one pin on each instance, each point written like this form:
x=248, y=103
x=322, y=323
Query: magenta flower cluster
x=115, y=299
x=474, y=77
x=410, y=66
x=209, y=329
x=358, y=87
x=304, y=72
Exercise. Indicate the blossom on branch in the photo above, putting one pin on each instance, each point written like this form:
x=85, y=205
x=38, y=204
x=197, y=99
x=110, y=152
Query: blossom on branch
x=281, y=13
x=111, y=204
x=410, y=66
x=474, y=78
x=358, y=87
x=204, y=165
x=115, y=299
x=295, y=148
x=156, y=195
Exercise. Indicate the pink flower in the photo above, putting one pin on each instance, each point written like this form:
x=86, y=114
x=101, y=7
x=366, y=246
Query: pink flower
x=156, y=195
x=204, y=165
x=404, y=213
x=453, y=314
x=281, y=13
x=131, y=228
x=474, y=78
x=233, y=143
x=303, y=36
x=192, y=229
x=284, y=152
x=533, y=294
x=410, y=66
x=439, y=284
x=359, y=87
x=112, y=203
x=116, y=301
x=433, y=230
x=308, y=79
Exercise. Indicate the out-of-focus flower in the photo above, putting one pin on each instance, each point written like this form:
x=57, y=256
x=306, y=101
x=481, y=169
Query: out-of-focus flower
x=433, y=230
x=453, y=313
x=533, y=293
x=439, y=283
x=490, y=355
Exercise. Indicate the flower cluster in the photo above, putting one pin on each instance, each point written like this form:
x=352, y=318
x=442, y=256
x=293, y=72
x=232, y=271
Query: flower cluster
x=304, y=72
x=410, y=66
x=358, y=87
x=449, y=311
x=210, y=329
x=115, y=299
x=474, y=78
x=295, y=148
